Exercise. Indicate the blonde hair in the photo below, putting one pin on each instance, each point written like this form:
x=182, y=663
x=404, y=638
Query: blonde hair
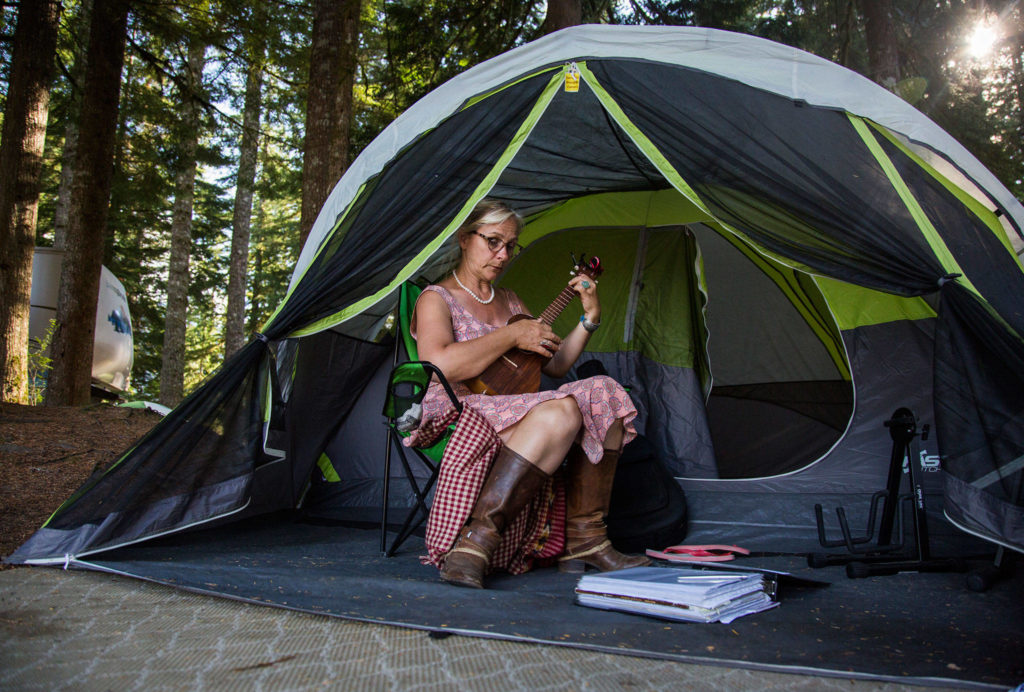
x=487, y=212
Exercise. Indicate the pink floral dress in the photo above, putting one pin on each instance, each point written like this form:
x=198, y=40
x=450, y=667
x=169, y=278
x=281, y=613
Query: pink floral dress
x=601, y=399
x=538, y=533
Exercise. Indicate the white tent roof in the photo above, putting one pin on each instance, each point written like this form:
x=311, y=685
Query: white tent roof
x=763, y=64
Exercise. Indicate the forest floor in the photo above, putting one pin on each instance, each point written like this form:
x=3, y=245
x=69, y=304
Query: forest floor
x=46, y=453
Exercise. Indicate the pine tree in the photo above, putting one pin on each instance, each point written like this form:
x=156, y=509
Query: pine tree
x=21, y=151
x=72, y=344
x=329, y=105
x=234, y=323
x=172, y=370
x=883, y=50
x=562, y=14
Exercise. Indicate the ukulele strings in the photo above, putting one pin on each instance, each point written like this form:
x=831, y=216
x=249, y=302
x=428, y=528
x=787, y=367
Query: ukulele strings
x=557, y=305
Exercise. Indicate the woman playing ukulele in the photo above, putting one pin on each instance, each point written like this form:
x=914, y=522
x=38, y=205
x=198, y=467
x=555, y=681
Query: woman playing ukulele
x=461, y=325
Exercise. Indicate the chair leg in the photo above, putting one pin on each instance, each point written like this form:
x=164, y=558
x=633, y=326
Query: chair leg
x=419, y=513
x=388, y=433
x=412, y=521
x=386, y=493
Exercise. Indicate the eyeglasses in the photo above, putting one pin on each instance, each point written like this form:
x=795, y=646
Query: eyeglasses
x=494, y=244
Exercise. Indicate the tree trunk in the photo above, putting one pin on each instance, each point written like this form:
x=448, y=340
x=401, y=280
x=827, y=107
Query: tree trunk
x=256, y=306
x=67, y=174
x=72, y=345
x=329, y=106
x=234, y=323
x=21, y=160
x=172, y=369
x=883, y=49
x=562, y=14
x=67, y=158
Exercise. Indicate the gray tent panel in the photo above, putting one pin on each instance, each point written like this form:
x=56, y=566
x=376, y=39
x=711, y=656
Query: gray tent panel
x=756, y=334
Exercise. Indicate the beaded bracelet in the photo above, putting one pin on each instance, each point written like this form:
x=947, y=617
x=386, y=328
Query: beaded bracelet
x=588, y=325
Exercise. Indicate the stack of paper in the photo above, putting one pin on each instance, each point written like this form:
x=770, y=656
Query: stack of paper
x=677, y=594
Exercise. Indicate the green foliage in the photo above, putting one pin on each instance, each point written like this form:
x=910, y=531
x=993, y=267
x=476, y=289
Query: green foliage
x=65, y=94
x=733, y=15
x=410, y=47
x=211, y=245
x=406, y=49
x=272, y=255
x=147, y=159
x=976, y=99
x=8, y=20
x=39, y=364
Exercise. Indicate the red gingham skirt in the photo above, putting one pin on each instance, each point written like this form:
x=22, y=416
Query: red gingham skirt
x=537, y=533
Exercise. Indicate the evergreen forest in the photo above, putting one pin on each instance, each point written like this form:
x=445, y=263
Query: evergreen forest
x=187, y=145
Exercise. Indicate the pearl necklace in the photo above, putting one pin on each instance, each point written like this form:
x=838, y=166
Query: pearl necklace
x=475, y=296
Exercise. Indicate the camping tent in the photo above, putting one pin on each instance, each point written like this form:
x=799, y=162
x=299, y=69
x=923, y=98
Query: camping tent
x=792, y=254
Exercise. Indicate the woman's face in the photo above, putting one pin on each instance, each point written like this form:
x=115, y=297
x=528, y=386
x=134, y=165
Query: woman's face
x=478, y=255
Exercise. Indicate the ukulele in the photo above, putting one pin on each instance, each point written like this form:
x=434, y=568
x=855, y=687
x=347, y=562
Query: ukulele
x=518, y=371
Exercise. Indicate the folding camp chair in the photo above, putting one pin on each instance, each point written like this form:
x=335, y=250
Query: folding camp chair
x=407, y=385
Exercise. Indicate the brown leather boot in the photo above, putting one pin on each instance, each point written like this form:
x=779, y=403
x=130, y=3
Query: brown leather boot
x=512, y=482
x=588, y=494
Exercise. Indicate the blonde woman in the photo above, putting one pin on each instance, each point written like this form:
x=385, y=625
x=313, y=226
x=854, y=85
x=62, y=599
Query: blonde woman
x=461, y=326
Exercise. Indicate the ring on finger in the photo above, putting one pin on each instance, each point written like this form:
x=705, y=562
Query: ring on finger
x=585, y=284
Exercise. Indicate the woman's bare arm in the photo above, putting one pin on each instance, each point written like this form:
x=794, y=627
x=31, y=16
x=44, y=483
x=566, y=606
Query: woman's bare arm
x=570, y=350
x=573, y=344
x=463, y=360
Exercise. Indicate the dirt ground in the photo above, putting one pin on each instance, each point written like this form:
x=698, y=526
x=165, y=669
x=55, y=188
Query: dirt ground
x=46, y=453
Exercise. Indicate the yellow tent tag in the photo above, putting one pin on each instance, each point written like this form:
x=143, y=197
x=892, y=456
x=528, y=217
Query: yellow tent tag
x=572, y=78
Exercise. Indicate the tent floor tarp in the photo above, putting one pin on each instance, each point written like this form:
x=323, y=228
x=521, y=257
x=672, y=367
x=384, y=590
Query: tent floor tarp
x=912, y=628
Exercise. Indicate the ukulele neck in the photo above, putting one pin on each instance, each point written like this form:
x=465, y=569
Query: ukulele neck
x=560, y=302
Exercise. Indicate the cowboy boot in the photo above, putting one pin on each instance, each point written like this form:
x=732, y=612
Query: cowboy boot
x=512, y=482
x=587, y=498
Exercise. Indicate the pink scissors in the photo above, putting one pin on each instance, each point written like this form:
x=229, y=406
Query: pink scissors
x=698, y=553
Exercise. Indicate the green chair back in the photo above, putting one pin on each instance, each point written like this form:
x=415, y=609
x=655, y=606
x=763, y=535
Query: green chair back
x=407, y=295
x=409, y=381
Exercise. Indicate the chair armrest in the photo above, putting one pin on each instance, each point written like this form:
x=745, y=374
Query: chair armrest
x=436, y=371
